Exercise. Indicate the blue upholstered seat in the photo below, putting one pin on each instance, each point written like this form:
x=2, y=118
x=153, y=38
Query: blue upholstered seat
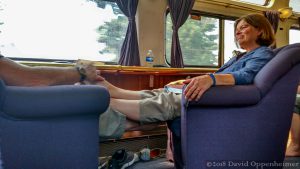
x=50, y=127
x=241, y=123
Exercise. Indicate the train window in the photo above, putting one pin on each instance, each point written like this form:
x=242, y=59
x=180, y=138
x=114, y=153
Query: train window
x=294, y=35
x=295, y=4
x=229, y=45
x=62, y=29
x=258, y=2
x=199, y=41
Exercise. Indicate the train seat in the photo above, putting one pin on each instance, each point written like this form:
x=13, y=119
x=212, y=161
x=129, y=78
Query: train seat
x=241, y=125
x=52, y=127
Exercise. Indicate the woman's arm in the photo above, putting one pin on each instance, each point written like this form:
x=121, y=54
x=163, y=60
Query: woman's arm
x=298, y=91
x=198, y=85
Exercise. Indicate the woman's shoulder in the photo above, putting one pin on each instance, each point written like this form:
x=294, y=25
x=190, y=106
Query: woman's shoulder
x=264, y=48
x=264, y=51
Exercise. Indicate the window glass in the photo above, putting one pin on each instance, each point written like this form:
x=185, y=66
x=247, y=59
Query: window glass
x=229, y=44
x=295, y=4
x=61, y=29
x=199, y=41
x=258, y=2
x=294, y=35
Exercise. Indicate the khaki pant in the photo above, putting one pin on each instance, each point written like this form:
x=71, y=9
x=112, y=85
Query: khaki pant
x=155, y=106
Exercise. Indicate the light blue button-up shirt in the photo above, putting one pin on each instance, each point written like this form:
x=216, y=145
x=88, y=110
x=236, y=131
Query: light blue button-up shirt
x=245, y=69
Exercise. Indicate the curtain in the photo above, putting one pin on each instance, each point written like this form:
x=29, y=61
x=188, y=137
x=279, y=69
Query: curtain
x=179, y=11
x=129, y=55
x=273, y=17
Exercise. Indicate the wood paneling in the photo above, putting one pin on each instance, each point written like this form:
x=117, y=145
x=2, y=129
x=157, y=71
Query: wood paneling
x=141, y=80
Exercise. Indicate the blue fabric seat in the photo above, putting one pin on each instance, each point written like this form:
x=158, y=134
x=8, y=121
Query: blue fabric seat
x=233, y=124
x=52, y=127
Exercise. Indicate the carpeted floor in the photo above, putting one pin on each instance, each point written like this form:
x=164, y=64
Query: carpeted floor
x=162, y=163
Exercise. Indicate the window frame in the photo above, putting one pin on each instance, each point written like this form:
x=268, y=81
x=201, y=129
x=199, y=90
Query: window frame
x=267, y=2
x=221, y=49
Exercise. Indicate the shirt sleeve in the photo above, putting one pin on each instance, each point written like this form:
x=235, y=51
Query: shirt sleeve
x=227, y=64
x=247, y=74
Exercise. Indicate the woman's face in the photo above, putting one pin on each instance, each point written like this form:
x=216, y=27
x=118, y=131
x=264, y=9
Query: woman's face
x=246, y=35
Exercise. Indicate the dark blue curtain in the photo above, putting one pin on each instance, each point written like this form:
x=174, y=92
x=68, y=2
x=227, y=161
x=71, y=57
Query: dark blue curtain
x=179, y=11
x=273, y=17
x=129, y=55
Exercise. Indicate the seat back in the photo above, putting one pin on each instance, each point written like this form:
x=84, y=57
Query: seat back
x=286, y=57
x=245, y=133
x=55, y=127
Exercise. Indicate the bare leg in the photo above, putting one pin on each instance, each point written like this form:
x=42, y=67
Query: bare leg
x=118, y=93
x=130, y=108
x=294, y=147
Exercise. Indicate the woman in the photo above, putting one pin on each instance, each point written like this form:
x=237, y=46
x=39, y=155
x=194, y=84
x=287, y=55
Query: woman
x=129, y=109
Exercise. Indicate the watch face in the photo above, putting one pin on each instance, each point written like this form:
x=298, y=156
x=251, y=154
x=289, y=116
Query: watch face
x=82, y=71
x=82, y=65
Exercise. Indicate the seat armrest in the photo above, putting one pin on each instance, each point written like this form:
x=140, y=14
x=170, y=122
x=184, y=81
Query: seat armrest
x=50, y=101
x=238, y=95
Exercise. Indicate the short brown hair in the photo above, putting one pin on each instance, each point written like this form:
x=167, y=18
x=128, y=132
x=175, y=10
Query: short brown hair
x=267, y=38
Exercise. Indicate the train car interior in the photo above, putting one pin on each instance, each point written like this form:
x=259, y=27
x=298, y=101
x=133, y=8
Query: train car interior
x=144, y=45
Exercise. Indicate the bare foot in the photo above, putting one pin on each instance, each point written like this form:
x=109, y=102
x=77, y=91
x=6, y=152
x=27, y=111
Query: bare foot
x=293, y=150
x=103, y=83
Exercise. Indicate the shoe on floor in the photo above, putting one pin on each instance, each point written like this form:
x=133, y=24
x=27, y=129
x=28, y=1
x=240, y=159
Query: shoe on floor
x=147, y=154
x=122, y=159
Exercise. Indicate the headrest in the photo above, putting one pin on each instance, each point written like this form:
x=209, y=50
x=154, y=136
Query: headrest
x=284, y=60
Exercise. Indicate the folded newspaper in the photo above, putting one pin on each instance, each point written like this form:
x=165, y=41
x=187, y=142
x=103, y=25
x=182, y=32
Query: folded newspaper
x=174, y=88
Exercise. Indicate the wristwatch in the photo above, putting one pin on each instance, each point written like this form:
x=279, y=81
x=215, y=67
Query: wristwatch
x=82, y=72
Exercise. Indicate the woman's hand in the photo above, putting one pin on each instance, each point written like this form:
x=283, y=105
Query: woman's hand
x=196, y=87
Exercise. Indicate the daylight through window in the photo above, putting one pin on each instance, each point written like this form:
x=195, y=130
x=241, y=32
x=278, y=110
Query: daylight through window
x=62, y=29
x=199, y=41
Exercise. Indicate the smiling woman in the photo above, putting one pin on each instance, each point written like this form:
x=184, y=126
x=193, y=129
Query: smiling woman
x=71, y=32
x=246, y=35
x=252, y=31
